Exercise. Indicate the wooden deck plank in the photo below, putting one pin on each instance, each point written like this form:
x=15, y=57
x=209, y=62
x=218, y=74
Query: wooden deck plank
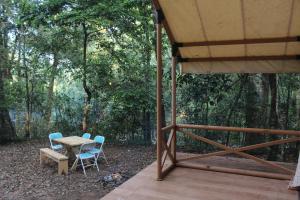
x=191, y=184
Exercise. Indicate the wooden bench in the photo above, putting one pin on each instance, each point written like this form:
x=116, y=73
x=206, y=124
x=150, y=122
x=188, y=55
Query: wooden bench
x=61, y=159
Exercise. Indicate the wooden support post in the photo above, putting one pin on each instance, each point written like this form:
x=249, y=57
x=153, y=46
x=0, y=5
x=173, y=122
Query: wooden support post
x=173, y=104
x=159, y=97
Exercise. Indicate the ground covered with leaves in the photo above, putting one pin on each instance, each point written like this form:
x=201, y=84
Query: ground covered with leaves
x=22, y=177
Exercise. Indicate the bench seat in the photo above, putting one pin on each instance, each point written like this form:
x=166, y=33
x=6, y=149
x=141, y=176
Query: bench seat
x=61, y=159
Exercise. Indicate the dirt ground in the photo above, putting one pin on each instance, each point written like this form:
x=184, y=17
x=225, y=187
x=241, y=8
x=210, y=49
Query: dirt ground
x=22, y=177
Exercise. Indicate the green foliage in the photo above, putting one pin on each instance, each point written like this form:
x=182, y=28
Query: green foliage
x=46, y=45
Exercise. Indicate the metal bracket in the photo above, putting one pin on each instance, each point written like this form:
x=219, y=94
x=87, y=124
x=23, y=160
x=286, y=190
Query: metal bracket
x=179, y=59
x=175, y=47
x=159, y=16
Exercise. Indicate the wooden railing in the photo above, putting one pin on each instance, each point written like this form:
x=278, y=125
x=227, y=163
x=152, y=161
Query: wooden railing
x=285, y=173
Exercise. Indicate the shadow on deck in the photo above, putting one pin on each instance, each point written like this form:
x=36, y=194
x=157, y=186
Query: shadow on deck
x=192, y=184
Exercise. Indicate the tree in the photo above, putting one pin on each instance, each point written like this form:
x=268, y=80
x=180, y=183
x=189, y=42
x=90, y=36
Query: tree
x=273, y=116
x=7, y=131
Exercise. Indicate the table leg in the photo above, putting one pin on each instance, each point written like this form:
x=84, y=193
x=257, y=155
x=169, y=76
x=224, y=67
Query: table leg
x=70, y=153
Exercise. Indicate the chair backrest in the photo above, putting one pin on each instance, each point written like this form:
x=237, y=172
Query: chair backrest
x=53, y=136
x=86, y=147
x=86, y=135
x=99, y=140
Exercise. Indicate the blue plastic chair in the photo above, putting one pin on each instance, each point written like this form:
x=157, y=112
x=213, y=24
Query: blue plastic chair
x=86, y=135
x=98, y=150
x=53, y=136
x=85, y=155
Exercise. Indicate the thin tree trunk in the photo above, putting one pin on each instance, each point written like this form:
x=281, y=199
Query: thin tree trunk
x=88, y=96
x=265, y=100
x=233, y=105
x=50, y=92
x=287, y=107
x=273, y=119
x=147, y=64
x=146, y=127
x=27, y=100
x=297, y=108
x=252, y=110
x=7, y=131
x=285, y=150
x=13, y=54
x=19, y=71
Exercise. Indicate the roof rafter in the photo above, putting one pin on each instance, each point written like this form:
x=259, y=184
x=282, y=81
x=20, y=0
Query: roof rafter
x=237, y=42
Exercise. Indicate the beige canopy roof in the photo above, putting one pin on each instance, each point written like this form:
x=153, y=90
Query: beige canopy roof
x=233, y=36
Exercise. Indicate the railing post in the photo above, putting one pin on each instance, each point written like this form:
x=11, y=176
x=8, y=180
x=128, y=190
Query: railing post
x=173, y=73
x=159, y=92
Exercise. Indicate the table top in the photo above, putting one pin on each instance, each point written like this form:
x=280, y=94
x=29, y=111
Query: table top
x=73, y=140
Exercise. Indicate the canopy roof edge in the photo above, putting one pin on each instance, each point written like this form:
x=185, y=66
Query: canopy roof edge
x=226, y=33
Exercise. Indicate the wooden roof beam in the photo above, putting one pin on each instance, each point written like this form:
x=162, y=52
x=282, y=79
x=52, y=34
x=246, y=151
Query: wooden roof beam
x=240, y=58
x=236, y=42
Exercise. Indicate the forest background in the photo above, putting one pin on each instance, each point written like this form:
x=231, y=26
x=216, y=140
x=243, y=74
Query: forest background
x=77, y=66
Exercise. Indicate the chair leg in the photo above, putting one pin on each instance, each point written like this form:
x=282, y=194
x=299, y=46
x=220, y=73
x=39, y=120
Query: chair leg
x=95, y=163
x=74, y=164
x=104, y=157
x=83, y=167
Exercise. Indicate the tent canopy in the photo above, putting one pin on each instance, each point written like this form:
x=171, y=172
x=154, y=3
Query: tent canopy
x=236, y=36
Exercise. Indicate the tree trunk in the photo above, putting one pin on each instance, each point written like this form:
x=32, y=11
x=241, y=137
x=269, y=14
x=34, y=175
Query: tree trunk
x=50, y=92
x=273, y=117
x=88, y=96
x=147, y=127
x=286, y=153
x=27, y=100
x=243, y=79
x=252, y=110
x=98, y=115
x=287, y=106
x=146, y=67
x=7, y=131
x=264, y=100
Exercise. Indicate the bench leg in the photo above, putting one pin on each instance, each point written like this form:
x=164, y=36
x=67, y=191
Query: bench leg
x=42, y=158
x=63, y=167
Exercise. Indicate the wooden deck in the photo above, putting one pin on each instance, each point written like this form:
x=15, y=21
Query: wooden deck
x=191, y=184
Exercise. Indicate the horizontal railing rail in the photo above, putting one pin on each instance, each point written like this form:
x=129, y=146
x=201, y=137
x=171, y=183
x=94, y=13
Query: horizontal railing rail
x=238, y=150
x=240, y=129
